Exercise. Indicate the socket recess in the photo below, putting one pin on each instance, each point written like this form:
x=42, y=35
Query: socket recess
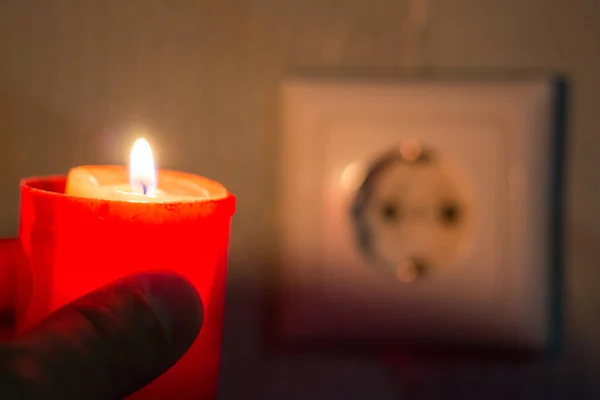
x=421, y=211
x=412, y=214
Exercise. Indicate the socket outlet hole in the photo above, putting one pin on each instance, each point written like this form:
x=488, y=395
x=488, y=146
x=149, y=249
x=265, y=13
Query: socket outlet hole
x=390, y=212
x=449, y=213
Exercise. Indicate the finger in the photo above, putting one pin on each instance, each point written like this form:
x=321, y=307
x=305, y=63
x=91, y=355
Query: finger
x=108, y=343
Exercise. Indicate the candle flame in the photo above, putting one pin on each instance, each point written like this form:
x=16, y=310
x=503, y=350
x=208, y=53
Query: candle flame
x=142, y=172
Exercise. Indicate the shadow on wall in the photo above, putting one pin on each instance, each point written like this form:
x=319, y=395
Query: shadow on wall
x=17, y=116
x=33, y=140
x=11, y=115
x=36, y=140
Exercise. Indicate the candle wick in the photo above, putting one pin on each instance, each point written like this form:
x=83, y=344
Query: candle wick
x=144, y=189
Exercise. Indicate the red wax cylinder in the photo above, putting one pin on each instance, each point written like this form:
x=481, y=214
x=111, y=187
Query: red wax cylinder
x=74, y=245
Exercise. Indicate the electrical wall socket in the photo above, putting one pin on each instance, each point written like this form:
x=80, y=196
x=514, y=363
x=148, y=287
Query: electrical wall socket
x=420, y=211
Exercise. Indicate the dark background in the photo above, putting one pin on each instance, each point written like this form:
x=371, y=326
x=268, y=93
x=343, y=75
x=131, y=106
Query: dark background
x=203, y=78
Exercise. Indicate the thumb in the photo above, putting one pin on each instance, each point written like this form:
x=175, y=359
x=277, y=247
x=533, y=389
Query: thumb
x=107, y=344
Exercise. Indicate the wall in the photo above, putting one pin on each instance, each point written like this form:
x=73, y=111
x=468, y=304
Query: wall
x=202, y=77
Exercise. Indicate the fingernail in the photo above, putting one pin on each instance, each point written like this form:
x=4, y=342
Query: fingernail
x=177, y=306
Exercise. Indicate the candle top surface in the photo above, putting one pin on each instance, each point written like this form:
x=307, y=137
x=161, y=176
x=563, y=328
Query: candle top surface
x=113, y=183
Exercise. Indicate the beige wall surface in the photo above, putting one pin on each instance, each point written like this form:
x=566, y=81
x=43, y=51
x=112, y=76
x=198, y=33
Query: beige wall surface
x=77, y=76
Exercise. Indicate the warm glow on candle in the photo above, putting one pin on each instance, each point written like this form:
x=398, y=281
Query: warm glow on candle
x=137, y=183
x=142, y=171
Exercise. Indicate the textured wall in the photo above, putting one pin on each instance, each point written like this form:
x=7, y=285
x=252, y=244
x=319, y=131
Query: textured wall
x=202, y=77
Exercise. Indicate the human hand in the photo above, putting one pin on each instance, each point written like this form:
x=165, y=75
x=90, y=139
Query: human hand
x=105, y=345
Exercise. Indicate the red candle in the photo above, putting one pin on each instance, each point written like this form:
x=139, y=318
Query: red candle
x=104, y=222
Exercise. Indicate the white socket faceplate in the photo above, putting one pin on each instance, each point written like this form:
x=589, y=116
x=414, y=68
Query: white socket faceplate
x=490, y=281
